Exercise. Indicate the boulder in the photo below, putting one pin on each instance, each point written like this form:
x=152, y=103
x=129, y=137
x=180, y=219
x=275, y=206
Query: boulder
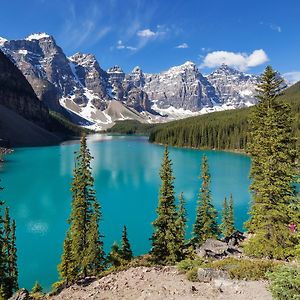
x=22, y=294
x=212, y=247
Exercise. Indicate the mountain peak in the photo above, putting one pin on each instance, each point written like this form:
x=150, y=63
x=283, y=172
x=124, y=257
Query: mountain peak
x=226, y=69
x=82, y=57
x=2, y=41
x=115, y=69
x=188, y=65
x=37, y=36
x=137, y=70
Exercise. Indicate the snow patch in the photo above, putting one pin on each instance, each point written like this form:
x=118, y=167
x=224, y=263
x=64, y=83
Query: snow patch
x=24, y=52
x=2, y=41
x=244, y=93
x=37, y=36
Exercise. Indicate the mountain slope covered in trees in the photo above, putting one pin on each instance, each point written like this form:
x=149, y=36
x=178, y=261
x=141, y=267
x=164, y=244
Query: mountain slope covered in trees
x=219, y=130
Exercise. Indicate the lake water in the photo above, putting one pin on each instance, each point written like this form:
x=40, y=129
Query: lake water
x=37, y=190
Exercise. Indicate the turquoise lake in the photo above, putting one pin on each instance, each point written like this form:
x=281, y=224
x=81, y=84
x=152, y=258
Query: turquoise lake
x=37, y=181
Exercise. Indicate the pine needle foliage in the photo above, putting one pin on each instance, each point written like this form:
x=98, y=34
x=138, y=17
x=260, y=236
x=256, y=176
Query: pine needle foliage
x=85, y=255
x=165, y=249
x=205, y=225
x=273, y=172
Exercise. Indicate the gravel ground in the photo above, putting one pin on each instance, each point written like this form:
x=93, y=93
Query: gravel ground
x=163, y=283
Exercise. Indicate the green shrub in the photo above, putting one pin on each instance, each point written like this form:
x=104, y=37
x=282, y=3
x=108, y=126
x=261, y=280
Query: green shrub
x=285, y=283
x=192, y=274
x=245, y=268
x=189, y=264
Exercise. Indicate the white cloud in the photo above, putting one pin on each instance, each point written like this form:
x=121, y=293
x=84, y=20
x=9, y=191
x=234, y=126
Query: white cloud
x=182, y=46
x=272, y=26
x=240, y=61
x=292, y=77
x=121, y=46
x=146, y=33
x=275, y=27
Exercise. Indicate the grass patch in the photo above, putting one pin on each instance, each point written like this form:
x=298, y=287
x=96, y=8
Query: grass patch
x=246, y=269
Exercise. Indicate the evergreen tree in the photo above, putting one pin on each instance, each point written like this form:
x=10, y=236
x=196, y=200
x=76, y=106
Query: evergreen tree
x=7, y=251
x=164, y=240
x=37, y=288
x=181, y=225
x=94, y=252
x=66, y=268
x=205, y=226
x=114, y=257
x=125, y=252
x=272, y=149
x=13, y=259
x=227, y=226
x=84, y=238
x=8, y=255
x=2, y=293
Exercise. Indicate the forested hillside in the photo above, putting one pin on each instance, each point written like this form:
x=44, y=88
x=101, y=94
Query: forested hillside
x=219, y=130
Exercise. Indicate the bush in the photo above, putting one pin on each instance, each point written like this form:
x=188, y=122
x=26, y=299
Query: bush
x=285, y=283
x=192, y=274
x=245, y=269
x=189, y=264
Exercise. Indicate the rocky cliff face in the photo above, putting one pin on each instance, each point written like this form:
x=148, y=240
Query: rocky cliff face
x=233, y=87
x=180, y=87
x=24, y=119
x=80, y=85
x=17, y=94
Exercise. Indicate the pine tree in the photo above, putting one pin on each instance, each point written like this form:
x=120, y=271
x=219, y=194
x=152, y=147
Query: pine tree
x=164, y=240
x=227, y=226
x=181, y=225
x=37, y=288
x=125, y=252
x=66, y=268
x=231, y=226
x=114, y=257
x=2, y=293
x=13, y=259
x=205, y=226
x=8, y=254
x=84, y=238
x=94, y=252
x=272, y=149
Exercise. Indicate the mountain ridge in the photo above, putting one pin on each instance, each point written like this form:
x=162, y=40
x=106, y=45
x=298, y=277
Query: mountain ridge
x=79, y=85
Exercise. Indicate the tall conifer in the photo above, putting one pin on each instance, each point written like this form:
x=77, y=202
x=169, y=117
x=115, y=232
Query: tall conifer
x=206, y=216
x=164, y=240
x=227, y=225
x=181, y=225
x=272, y=172
x=84, y=238
x=13, y=259
x=66, y=268
x=125, y=251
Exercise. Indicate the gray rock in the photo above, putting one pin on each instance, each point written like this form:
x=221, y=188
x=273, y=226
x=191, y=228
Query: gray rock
x=217, y=249
x=208, y=275
x=22, y=294
x=233, y=87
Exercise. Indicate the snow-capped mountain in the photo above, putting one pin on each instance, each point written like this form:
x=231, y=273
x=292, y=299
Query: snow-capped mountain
x=79, y=85
x=233, y=87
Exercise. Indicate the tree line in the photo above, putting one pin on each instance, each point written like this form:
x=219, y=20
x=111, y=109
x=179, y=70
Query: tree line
x=227, y=130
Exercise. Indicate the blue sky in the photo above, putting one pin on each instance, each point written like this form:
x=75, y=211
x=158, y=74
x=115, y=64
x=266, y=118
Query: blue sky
x=158, y=34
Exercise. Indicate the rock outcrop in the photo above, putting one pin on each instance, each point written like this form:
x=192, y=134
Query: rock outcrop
x=24, y=119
